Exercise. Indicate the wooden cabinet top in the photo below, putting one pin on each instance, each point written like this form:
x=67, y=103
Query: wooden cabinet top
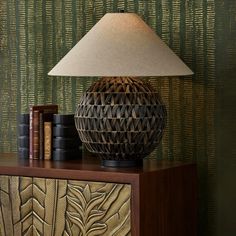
x=88, y=168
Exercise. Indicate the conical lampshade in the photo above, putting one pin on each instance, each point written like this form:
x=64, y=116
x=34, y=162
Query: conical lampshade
x=120, y=44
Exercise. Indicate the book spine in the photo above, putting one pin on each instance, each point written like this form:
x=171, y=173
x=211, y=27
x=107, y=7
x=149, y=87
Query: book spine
x=47, y=140
x=41, y=136
x=36, y=134
x=31, y=133
x=35, y=144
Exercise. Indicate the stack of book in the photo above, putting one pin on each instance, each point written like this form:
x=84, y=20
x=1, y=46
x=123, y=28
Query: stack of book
x=23, y=137
x=66, y=142
x=40, y=131
x=44, y=134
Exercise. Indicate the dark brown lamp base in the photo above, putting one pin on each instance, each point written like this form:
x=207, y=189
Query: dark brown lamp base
x=120, y=119
x=122, y=163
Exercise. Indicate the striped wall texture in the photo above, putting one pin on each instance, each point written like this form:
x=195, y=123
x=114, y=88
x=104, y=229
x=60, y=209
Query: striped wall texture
x=35, y=34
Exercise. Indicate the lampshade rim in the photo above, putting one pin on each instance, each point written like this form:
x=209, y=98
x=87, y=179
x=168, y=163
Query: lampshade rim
x=107, y=76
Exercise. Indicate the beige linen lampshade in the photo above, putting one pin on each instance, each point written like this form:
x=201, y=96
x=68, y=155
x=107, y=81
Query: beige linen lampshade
x=120, y=117
x=120, y=44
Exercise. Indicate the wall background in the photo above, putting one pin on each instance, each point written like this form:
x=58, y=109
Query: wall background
x=35, y=34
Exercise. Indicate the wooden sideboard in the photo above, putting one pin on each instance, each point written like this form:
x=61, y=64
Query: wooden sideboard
x=82, y=198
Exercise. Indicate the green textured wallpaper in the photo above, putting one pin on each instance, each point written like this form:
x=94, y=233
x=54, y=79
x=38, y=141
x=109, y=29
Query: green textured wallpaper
x=35, y=34
x=225, y=117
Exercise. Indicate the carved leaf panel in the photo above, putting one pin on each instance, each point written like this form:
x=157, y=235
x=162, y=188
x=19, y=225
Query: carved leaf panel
x=50, y=207
x=55, y=202
x=38, y=209
x=26, y=192
x=10, y=219
x=95, y=208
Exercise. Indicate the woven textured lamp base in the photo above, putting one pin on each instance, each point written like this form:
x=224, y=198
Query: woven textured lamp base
x=120, y=119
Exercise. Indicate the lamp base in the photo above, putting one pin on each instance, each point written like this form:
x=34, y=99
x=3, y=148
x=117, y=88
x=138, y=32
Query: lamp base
x=120, y=119
x=122, y=163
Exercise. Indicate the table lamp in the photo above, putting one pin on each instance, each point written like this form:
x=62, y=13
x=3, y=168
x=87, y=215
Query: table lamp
x=120, y=117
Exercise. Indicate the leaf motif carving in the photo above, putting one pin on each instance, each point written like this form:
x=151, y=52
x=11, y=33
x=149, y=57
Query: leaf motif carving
x=87, y=193
x=97, y=229
x=29, y=230
x=76, y=220
x=95, y=201
x=55, y=202
x=26, y=190
x=113, y=192
x=68, y=230
x=84, y=204
x=98, y=209
x=59, y=207
x=120, y=221
x=94, y=217
x=118, y=213
x=72, y=201
x=36, y=231
x=77, y=192
x=38, y=207
x=9, y=196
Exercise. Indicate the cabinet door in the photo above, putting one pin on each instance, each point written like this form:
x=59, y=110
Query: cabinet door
x=39, y=206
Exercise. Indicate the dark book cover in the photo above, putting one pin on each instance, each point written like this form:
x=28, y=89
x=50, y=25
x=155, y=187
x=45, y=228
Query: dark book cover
x=23, y=129
x=23, y=153
x=23, y=136
x=23, y=119
x=23, y=141
x=65, y=131
x=60, y=119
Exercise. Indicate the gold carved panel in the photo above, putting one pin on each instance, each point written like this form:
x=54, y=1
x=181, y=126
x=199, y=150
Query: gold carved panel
x=38, y=206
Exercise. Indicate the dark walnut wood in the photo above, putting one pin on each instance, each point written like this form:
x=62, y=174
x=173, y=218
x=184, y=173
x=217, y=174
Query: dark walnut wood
x=163, y=193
